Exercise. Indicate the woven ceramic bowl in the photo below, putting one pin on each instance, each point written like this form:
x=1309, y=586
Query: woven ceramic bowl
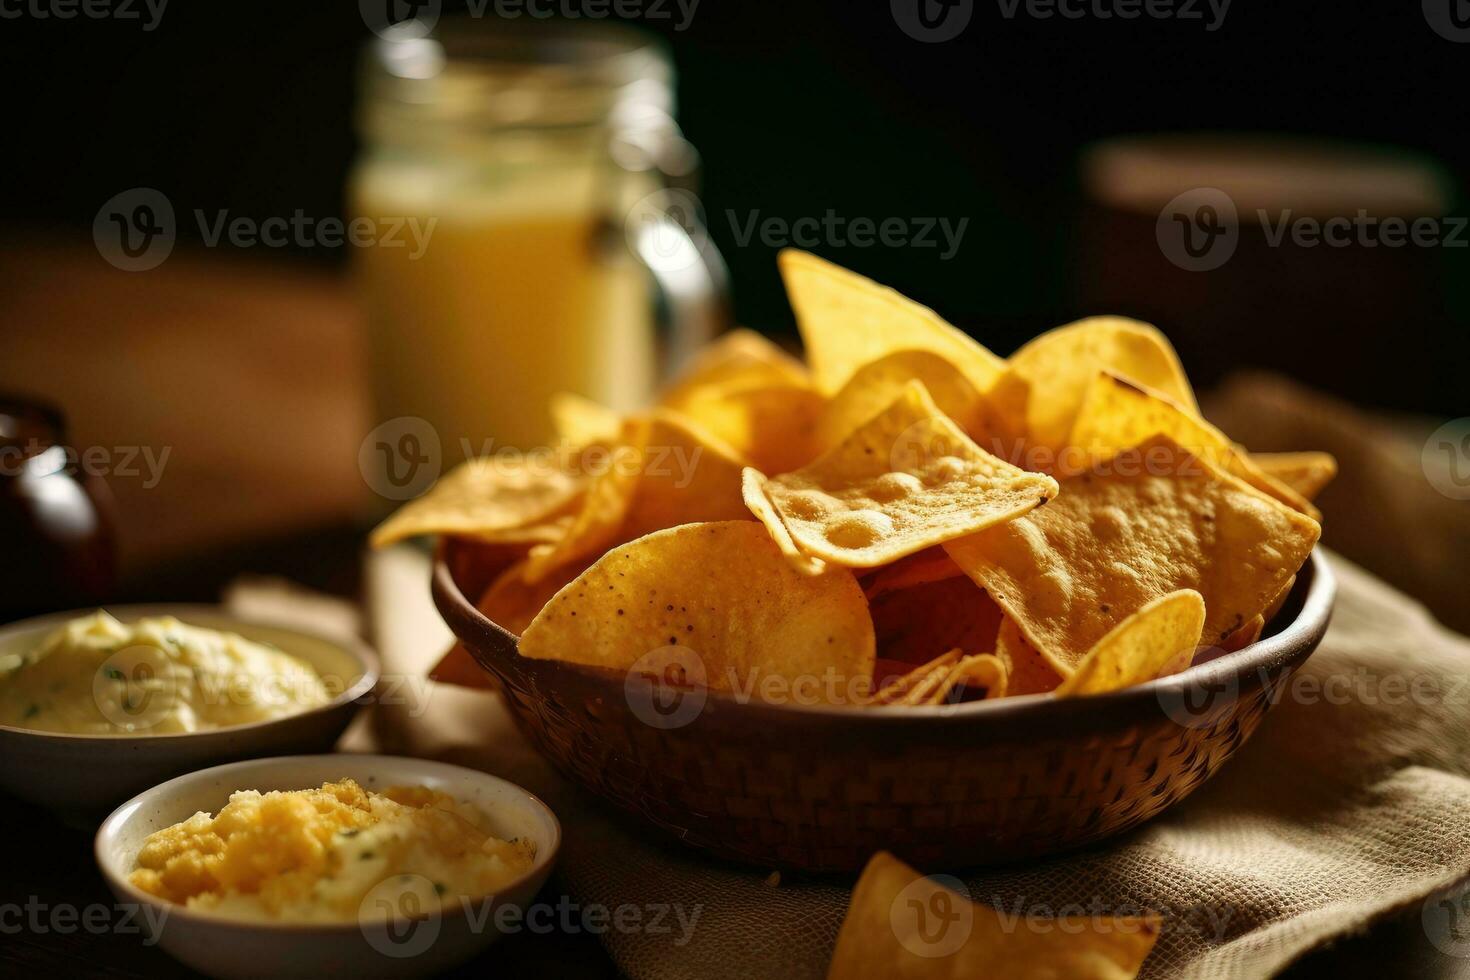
x=820, y=789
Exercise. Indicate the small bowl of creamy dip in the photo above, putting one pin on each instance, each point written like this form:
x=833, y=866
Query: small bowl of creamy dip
x=99, y=704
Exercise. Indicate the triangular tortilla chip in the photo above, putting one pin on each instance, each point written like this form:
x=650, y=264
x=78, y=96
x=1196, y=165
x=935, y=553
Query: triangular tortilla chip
x=1307, y=473
x=739, y=359
x=920, y=568
x=724, y=592
x=772, y=426
x=1060, y=364
x=874, y=387
x=907, y=479
x=1027, y=671
x=1155, y=521
x=665, y=472
x=920, y=623
x=901, y=925
x=847, y=320
x=583, y=422
x=1117, y=415
x=1165, y=632
x=502, y=498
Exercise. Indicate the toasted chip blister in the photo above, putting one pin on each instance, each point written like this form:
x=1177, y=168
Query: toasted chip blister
x=903, y=481
x=1156, y=520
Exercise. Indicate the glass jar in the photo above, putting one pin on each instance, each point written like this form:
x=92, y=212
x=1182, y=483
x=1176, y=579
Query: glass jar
x=540, y=184
x=55, y=520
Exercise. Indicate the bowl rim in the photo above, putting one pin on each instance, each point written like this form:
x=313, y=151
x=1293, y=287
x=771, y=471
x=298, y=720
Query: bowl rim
x=1295, y=640
x=120, y=884
x=367, y=659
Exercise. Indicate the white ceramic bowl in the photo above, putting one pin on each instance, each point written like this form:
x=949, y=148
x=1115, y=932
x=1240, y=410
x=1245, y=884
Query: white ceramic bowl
x=225, y=947
x=93, y=773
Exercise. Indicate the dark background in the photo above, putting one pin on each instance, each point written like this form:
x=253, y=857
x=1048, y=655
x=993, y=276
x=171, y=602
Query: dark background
x=801, y=107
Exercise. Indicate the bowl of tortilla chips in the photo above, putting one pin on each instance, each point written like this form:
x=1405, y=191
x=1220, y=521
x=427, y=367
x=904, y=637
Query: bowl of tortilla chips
x=903, y=595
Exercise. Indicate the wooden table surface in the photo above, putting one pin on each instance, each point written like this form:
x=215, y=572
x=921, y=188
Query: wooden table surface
x=252, y=374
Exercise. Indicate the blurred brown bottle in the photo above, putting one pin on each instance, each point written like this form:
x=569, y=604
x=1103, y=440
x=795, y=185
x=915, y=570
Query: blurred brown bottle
x=55, y=520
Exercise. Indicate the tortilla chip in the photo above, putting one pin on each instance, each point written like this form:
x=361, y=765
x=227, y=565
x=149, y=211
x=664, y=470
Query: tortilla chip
x=664, y=473
x=980, y=671
x=1060, y=365
x=1027, y=671
x=1279, y=601
x=901, y=925
x=920, y=568
x=583, y=422
x=502, y=498
x=460, y=668
x=1142, y=646
x=1243, y=637
x=1157, y=520
x=895, y=690
x=1306, y=473
x=512, y=603
x=772, y=426
x=905, y=480
x=875, y=386
x=753, y=490
x=724, y=592
x=847, y=320
x=1117, y=414
x=739, y=359
x=918, y=624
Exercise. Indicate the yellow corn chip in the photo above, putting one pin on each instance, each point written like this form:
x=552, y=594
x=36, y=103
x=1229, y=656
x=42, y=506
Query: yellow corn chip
x=722, y=591
x=917, y=624
x=1156, y=520
x=772, y=426
x=1243, y=637
x=1116, y=414
x=664, y=473
x=921, y=568
x=496, y=499
x=847, y=321
x=1306, y=473
x=901, y=925
x=905, y=480
x=1060, y=364
x=739, y=359
x=1027, y=671
x=875, y=386
x=753, y=490
x=1279, y=601
x=583, y=422
x=896, y=689
x=1141, y=647
x=512, y=603
x=982, y=670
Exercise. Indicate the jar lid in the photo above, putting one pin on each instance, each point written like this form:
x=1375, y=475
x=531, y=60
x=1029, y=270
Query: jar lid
x=482, y=74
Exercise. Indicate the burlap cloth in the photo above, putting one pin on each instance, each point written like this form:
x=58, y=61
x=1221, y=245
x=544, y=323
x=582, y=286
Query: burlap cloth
x=1352, y=801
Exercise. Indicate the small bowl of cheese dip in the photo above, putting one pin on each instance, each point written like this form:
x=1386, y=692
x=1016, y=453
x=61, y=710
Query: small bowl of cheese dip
x=99, y=704
x=309, y=866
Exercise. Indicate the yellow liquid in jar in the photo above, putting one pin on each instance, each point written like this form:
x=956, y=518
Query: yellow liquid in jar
x=515, y=297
